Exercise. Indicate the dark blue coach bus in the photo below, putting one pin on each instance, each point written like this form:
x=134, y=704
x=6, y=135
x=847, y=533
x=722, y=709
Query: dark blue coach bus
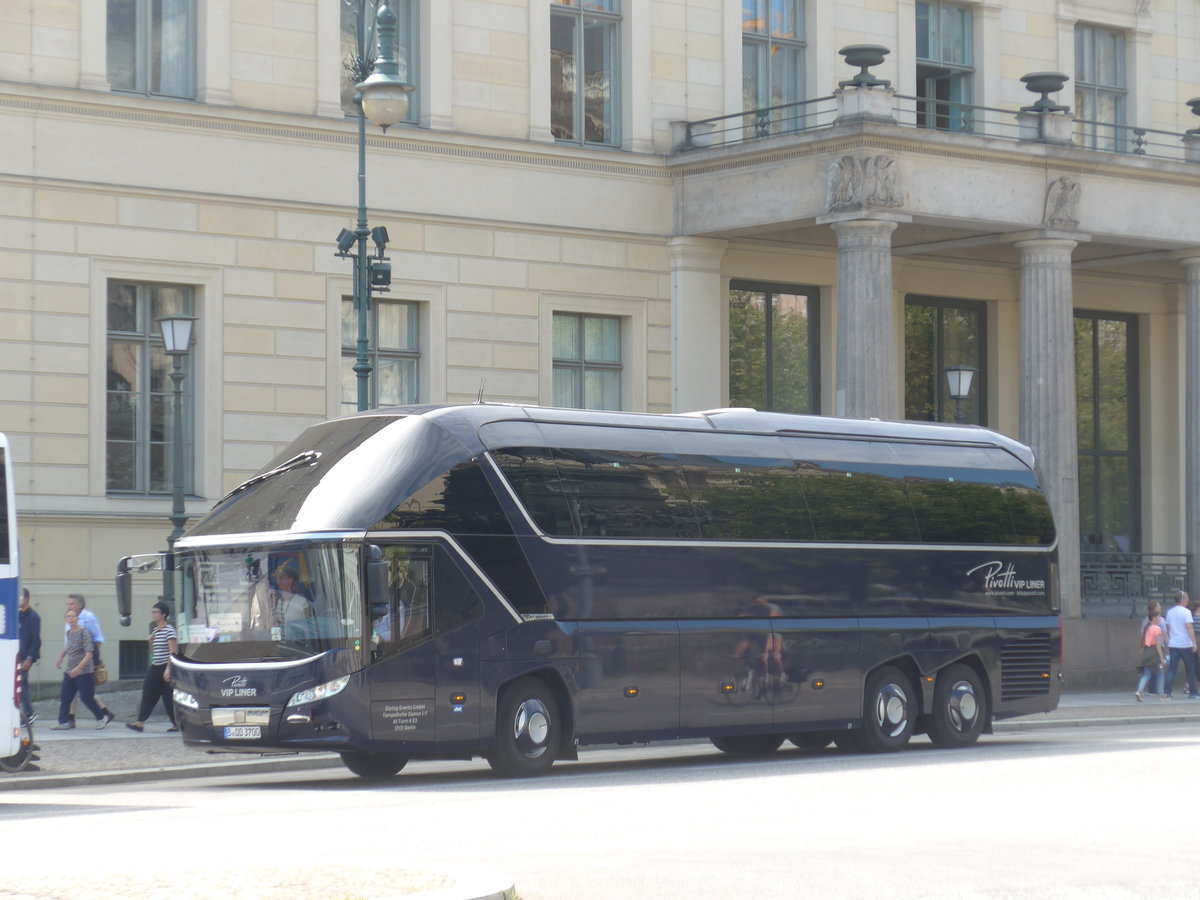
x=514, y=582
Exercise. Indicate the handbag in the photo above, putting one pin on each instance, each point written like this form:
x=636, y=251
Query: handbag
x=100, y=675
x=1150, y=656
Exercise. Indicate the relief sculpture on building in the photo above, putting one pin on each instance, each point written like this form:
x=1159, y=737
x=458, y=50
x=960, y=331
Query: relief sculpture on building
x=1062, y=203
x=857, y=182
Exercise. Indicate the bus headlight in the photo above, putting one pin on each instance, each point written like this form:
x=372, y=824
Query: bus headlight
x=320, y=692
x=183, y=698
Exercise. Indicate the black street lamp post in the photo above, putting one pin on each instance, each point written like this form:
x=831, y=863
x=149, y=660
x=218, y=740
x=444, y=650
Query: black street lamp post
x=382, y=96
x=177, y=339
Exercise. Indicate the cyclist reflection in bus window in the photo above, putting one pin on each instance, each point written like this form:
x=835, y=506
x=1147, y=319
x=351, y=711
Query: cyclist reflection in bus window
x=762, y=651
x=281, y=609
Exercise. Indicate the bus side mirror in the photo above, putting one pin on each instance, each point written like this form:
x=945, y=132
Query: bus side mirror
x=377, y=577
x=124, y=591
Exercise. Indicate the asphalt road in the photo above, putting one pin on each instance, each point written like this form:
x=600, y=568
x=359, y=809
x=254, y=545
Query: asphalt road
x=1046, y=812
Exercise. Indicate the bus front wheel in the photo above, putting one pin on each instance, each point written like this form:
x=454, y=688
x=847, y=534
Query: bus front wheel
x=889, y=711
x=748, y=744
x=374, y=765
x=528, y=732
x=959, y=708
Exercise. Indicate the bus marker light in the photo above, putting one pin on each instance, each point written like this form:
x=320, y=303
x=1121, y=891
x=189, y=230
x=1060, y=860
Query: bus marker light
x=727, y=687
x=631, y=691
x=458, y=698
x=818, y=683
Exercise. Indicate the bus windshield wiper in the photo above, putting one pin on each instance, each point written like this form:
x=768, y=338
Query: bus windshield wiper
x=299, y=461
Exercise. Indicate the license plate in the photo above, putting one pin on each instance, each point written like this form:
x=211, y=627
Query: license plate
x=243, y=732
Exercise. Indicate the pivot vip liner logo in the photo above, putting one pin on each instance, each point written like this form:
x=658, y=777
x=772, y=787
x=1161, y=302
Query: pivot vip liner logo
x=1001, y=579
x=235, y=686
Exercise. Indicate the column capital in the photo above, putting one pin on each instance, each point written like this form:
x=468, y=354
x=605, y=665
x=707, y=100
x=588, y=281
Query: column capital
x=871, y=217
x=1189, y=259
x=696, y=254
x=1047, y=235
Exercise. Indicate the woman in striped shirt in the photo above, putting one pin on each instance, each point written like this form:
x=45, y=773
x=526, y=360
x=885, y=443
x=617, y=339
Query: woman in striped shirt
x=157, y=686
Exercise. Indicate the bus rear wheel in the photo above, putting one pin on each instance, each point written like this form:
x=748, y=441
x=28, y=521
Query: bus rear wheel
x=959, y=708
x=24, y=754
x=748, y=744
x=528, y=732
x=889, y=711
x=374, y=765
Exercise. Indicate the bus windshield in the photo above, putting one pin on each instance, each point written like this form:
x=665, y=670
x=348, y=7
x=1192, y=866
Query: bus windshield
x=240, y=604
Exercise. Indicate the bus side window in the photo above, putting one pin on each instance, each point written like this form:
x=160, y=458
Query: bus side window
x=457, y=603
x=405, y=619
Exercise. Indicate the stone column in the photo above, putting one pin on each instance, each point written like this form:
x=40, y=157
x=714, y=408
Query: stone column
x=698, y=352
x=1191, y=431
x=868, y=377
x=1048, y=402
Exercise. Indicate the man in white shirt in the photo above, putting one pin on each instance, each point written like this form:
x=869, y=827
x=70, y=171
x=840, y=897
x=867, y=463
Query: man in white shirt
x=1181, y=641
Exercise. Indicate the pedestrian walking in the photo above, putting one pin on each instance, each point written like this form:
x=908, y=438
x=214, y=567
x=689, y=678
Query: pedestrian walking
x=77, y=677
x=29, y=649
x=88, y=620
x=1153, y=660
x=157, y=684
x=1181, y=641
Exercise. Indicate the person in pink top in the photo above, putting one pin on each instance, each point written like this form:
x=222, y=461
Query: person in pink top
x=1153, y=662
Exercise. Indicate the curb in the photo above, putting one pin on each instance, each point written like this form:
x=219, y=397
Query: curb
x=297, y=763
x=1017, y=725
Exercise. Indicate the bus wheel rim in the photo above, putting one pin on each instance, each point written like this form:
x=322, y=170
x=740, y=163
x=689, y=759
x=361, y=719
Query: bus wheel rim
x=531, y=727
x=891, y=709
x=964, y=706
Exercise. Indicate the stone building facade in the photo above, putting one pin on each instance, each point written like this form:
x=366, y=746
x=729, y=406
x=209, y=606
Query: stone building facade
x=661, y=205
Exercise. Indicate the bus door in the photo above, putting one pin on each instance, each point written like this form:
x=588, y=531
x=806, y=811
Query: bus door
x=820, y=685
x=403, y=655
x=723, y=675
x=461, y=619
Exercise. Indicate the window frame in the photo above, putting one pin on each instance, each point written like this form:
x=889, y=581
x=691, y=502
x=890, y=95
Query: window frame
x=582, y=17
x=583, y=365
x=1091, y=130
x=980, y=383
x=146, y=339
x=765, y=43
x=144, y=60
x=936, y=112
x=813, y=294
x=375, y=353
x=1132, y=453
x=407, y=55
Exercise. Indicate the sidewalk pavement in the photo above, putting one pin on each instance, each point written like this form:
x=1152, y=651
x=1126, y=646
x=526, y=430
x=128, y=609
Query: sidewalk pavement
x=117, y=755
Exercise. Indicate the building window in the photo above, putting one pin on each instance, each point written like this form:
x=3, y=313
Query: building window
x=1099, y=87
x=773, y=362
x=152, y=47
x=584, y=61
x=139, y=426
x=773, y=61
x=945, y=67
x=1106, y=384
x=394, y=341
x=938, y=334
x=587, y=361
x=406, y=49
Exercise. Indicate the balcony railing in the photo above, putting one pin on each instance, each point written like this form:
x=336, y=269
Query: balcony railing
x=936, y=115
x=1117, y=585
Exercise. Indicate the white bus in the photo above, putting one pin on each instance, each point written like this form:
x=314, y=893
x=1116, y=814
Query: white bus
x=16, y=735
